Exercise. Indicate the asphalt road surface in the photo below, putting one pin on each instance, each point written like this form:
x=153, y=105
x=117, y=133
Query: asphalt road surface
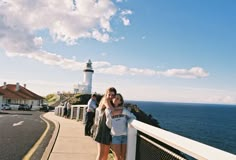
x=19, y=131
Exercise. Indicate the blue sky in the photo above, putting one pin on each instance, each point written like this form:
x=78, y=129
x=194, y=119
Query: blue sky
x=158, y=50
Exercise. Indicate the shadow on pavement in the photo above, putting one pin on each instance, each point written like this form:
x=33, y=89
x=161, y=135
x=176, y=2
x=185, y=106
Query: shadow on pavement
x=15, y=113
x=3, y=112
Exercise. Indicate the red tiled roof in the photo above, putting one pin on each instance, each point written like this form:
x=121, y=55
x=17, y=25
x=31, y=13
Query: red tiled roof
x=22, y=93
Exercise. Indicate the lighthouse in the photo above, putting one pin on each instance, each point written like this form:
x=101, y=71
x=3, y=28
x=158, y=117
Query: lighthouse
x=88, y=75
x=86, y=86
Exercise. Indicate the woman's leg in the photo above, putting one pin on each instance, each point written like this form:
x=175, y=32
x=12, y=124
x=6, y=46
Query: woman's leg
x=103, y=151
x=123, y=151
x=99, y=151
x=106, y=149
x=117, y=151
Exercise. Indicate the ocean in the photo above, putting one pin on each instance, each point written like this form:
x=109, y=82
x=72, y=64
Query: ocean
x=211, y=124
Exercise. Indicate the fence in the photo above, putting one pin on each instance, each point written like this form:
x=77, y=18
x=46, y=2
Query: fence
x=170, y=146
x=152, y=143
x=78, y=112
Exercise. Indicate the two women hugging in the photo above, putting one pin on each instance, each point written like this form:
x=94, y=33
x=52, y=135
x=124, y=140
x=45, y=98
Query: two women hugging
x=111, y=119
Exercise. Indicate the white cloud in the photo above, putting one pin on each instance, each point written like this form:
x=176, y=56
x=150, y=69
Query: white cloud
x=123, y=14
x=38, y=41
x=195, y=72
x=224, y=99
x=66, y=21
x=119, y=1
x=126, y=12
x=100, y=36
x=192, y=73
x=51, y=59
x=104, y=67
x=203, y=95
x=113, y=69
x=126, y=21
x=137, y=71
x=101, y=64
x=118, y=39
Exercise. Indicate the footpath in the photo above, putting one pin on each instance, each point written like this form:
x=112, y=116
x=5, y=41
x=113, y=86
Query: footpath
x=68, y=141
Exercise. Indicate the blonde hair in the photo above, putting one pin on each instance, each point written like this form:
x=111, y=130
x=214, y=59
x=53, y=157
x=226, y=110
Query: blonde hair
x=103, y=100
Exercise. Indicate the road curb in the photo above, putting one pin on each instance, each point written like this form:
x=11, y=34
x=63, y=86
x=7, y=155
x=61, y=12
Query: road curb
x=36, y=145
x=3, y=112
x=52, y=141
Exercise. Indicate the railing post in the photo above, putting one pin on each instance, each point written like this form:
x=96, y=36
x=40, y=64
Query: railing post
x=131, y=142
x=59, y=111
x=71, y=112
x=62, y=112
x=84, y=115
x=77, y=113
x=55, y=110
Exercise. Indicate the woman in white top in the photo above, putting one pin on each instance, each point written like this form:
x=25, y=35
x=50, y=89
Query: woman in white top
x=117, y=120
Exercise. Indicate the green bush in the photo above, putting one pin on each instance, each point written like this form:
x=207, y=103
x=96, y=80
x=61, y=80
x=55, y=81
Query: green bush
x=48, y=97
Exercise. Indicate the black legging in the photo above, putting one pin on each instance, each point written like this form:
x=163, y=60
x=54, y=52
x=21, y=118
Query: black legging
x=89, y=123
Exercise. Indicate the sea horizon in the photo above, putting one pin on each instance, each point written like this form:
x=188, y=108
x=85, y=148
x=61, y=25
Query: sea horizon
x=201, y=103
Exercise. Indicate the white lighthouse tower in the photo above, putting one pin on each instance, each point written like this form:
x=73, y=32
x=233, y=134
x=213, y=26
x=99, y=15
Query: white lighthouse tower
x=86, y=86
x=88, y=75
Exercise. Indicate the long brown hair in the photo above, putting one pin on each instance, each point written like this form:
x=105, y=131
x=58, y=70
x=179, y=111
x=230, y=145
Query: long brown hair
x=121, y=99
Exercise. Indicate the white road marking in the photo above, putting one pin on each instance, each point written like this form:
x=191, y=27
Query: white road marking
x=18, y=124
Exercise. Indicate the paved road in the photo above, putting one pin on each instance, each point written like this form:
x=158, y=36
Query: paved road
x=19, y=130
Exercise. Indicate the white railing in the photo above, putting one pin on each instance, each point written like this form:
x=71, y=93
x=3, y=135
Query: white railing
x=190, y=147
x=78, y=109
x=75, y=112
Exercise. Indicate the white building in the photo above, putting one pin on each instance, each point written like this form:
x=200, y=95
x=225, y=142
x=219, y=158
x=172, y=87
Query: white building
x=17, y=94
x=86, y=86
x=1, y=97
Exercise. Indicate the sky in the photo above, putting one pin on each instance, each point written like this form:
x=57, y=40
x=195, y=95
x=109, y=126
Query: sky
x=157, y=50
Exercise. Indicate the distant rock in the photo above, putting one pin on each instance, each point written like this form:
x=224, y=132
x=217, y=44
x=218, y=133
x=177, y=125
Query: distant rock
x=142, y=116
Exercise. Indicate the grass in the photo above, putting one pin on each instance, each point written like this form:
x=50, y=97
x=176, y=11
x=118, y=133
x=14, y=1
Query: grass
x=110, y=156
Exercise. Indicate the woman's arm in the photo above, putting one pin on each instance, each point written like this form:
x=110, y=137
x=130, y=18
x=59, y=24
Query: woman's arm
x=96, y=118
x=108, y=113
x=129, y=115
x=108, y=104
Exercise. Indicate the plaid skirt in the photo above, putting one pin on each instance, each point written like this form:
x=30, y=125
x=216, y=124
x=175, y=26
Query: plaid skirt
x=103, y=133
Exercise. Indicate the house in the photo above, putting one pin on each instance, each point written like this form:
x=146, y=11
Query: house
x=17, y=94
